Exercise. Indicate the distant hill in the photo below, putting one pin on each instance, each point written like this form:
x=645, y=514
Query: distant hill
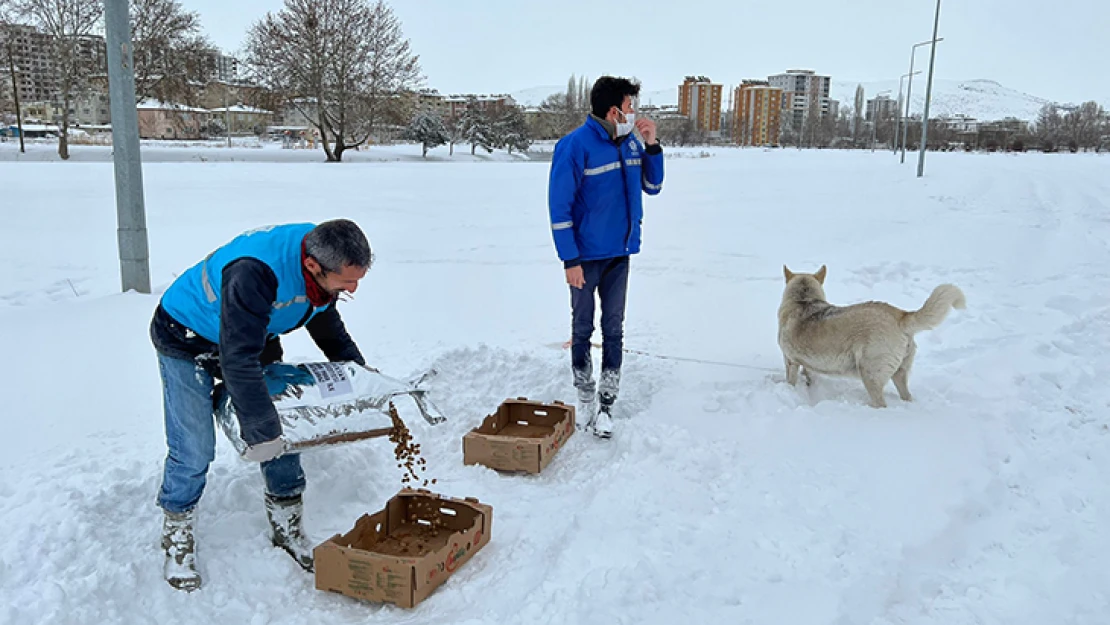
x=982, y=99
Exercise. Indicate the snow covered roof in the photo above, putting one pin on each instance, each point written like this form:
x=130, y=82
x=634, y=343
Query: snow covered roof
x=35, y=128
x=239, y=108
x=158, y=105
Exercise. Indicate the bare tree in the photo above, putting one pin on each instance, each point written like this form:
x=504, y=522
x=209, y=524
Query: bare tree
x=171, y=54
x=860, y=103
x=343, y=63
x=71, y=25
x=1049, y=127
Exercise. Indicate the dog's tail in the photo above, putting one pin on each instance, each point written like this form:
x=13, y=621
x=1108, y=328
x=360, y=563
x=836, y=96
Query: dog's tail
x=934, y=311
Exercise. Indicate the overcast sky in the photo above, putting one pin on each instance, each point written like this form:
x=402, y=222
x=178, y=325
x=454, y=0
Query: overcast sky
x=1056, y=50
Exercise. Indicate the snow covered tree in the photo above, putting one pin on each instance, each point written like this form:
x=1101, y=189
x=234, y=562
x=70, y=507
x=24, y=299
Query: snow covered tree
x=344, y=64
x=427, y=129
x=171, y=54
x=70, y=25
x=511, y=130
x=477, y=128
x=455, y=129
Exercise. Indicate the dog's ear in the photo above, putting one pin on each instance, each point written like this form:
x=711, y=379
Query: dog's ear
x=787, y=273
x=820, y=275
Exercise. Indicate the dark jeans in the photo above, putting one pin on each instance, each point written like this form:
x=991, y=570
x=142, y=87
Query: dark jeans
x=608, y=279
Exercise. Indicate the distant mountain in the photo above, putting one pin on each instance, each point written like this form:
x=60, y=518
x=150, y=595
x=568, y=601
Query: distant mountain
x=982, y=99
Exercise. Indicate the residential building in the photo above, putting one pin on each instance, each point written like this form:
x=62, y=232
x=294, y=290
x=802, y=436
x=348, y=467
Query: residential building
x=758, y=108
x=163, y=120
x=35, y=57
x=884, y=106
x=803, y=92
x=960, y=123
x=239, y=119
x=700, y=100
x=457, y=104
x=221, y=67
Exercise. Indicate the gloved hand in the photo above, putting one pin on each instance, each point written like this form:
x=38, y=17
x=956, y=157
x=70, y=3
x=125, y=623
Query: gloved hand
x=264, y=451
x=280, y=376
x=370, y=369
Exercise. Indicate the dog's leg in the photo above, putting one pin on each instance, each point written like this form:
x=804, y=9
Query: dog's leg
x=874, y=386
x=901, y=376
x=808, y=376
x=791, y=371
x=876, y=370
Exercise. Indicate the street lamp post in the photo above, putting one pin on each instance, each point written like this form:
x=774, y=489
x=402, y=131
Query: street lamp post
x=928, y=96
x=909, y=90
x=901, y=120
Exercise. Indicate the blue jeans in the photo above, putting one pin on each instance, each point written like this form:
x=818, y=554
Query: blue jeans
x=607, y=279
x=191, y=439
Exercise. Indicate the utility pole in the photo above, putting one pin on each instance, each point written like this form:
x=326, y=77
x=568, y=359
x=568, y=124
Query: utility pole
x=134, y=255
x=928, y=96
x=15, y=93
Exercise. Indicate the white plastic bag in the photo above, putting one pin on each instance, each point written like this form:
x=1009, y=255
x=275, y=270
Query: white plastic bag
x=326, y=403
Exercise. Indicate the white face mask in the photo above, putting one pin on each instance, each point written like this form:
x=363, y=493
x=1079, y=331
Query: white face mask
x=625, y=127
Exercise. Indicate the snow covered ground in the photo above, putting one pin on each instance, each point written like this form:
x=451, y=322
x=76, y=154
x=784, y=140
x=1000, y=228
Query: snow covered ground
x=726, y=496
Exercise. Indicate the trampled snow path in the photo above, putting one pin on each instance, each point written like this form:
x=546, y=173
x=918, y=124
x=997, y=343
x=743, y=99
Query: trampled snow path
x=726, y=496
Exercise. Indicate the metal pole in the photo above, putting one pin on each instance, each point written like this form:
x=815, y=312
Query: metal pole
x=928, y=96
x=897, y=118
x=902, y=121
x=15, y=93
x=134, y=256
x=227, y=115
x=909, y=89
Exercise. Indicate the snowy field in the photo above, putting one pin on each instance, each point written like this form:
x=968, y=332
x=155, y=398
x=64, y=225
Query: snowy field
x=726, y=496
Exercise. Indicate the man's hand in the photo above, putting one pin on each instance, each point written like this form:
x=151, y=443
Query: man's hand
x=647, y=129
x=267, y=450
x=575, y=277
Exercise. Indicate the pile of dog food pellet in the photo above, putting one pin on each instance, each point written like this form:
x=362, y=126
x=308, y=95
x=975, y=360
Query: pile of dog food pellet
x=406, y=451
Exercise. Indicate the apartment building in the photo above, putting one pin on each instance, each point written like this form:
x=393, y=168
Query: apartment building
x=758, y=113
x=700, y=100
x=803, y=92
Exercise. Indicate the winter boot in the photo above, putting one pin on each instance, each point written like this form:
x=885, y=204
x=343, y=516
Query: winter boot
x=180, y=567
x=587, y=396
x=608, y=387
x=285, y=515
x=602, y=424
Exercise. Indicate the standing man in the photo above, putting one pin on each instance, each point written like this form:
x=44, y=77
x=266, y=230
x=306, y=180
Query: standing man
x=222, y=319
x=598, y=173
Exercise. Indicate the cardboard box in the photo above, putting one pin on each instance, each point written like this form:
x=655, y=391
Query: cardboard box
x=404, y=551
x=522, y=435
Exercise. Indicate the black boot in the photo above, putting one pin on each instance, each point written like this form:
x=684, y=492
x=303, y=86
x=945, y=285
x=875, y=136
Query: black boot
x=180, y=566
x=285, y=516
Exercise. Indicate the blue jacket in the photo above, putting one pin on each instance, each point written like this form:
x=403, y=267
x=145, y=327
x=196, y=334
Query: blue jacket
x=230, y=308
x=594, y=193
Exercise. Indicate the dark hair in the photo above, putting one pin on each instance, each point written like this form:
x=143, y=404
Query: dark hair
x=610, y=91
x=338, y=243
